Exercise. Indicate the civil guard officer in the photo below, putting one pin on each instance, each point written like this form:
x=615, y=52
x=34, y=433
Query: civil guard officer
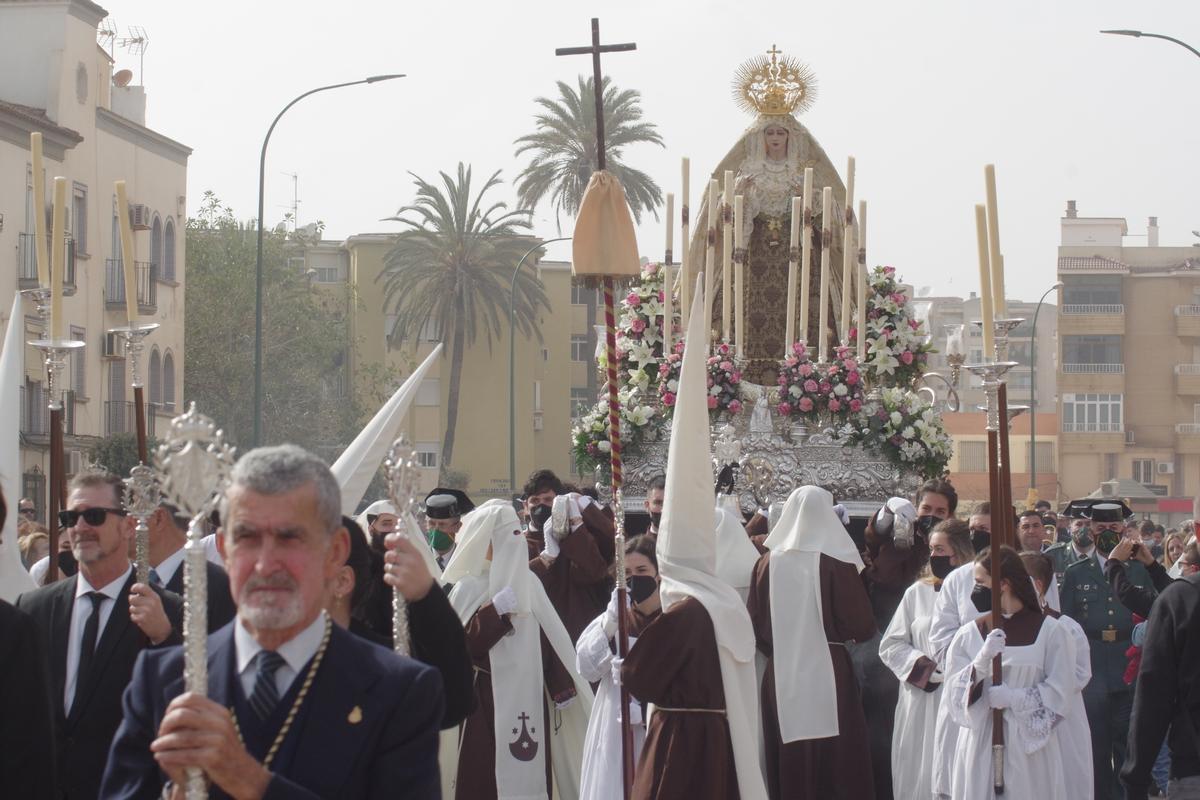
x=1088, y=599
x=1081, y=544
x=445, y=509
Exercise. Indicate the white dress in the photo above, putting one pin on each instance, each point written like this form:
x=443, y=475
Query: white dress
x=906, y=640
x=600, y=775
x=1074, y=735
x=1033, y=766
x=952, y=608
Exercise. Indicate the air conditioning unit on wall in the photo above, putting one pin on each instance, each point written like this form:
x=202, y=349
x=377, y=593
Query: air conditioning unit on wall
x=1166, y=467
x=139, y=217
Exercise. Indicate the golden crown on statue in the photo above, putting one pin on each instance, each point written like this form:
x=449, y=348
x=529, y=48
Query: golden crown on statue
x=774, y=86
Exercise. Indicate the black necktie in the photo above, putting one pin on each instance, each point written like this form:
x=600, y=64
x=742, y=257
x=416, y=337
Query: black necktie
x=266, y=696
x=87, y=649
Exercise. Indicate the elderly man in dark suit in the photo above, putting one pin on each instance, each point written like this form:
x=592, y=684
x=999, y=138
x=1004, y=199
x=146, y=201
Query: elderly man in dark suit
x=96, y=623
x=296, y=706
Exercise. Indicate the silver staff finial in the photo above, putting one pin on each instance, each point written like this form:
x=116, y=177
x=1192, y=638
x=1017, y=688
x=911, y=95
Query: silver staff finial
x=403, y=477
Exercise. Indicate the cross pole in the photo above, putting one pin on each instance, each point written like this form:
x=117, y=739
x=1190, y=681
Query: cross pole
x=614, y=408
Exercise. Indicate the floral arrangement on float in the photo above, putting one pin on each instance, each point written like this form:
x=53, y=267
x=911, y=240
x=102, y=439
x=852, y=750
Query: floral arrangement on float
x=810, y=391
x=724, y=381
x=897, y=347
x=907, y=429
x=589, y=439
x=640, y=330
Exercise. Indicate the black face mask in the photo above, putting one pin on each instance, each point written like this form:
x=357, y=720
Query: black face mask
x=981, y=596
x=1106, y=540
x=539, y=515
x=655, y=518
x=641, y=587
x=1083, y=538
x=940, y=566
x=67, y=564
x=980, y=539
x=925, y=523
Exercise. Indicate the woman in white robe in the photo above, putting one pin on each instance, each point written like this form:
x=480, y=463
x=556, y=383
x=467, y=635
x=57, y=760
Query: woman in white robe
x=1038, y=678
x=906, y=650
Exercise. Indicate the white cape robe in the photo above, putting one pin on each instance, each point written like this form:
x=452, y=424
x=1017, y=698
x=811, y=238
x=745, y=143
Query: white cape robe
x=601, y=778
x=1045, y=670
x=906, y=640
x=1074, y=735
x=952, y=608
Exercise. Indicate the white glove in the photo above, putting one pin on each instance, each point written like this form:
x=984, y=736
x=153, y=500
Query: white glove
x=1002, y=696
x=901, y=507
x=610, y=616
x=937, y=676
x=560, y=514
x=551, y=548
x=842, y=513
x=993, y=646
x=505, y=601
x=617, y=663
x=575, y=506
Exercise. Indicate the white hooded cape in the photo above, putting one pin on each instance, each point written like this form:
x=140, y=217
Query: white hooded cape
x=13, y=577
x=736, y=554
x=804, y=677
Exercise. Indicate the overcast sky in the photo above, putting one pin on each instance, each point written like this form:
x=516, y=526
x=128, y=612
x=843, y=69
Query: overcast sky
x=923, y=94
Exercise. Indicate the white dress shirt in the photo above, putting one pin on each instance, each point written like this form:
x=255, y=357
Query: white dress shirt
x=167, y=567
x=296, y=652
x=80, y=611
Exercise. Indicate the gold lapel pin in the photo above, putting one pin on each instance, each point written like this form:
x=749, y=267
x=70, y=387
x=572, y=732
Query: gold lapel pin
x=355, y=716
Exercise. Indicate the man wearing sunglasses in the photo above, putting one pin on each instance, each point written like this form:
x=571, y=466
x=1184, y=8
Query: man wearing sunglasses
x=96, y=623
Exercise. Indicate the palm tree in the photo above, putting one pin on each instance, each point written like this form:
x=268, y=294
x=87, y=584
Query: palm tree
x=564, y=149
x=452, y=266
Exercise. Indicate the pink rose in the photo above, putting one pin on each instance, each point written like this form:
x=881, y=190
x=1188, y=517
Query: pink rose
x=592, y=449
x=633, y=299
x=826, y=387
x=889, y=270
x=710, y=383
x=784, y=409
x=856, y=406
x=790, y=361
x=736, y=377
x=810, y=385
x=782, y=381
x=850, y=364
x=638, y=325
x=906, y=357
x=852, y=378
x=834, y=405
x=806, y=370
x=620, y=354
x=799, y=349
x=726, y=366
x=661, y=297
x=668, y=399
x=652, y=269
x=735, y=406
x=805, y=404
x=912, y=323
x=712, y=402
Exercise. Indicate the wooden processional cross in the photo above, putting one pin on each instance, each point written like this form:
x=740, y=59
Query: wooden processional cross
x=594, y=50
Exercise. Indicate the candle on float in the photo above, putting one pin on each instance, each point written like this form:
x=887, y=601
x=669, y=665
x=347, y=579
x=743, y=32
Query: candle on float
x=826, y=241
x=684, y=245
x=861, y=317
x=710, y=253
x=670, y=226
x=999, y=306
x=739, y=246
x=849, y=252
x=985, y=281
x=668, y=285
x=58, y=251
x=727, y=256
x=789, y=336
x=806, y=237
x=954, y=340
x=128, y=253
x=40, y=250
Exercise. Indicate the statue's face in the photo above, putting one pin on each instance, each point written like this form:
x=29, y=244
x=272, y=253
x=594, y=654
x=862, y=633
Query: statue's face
x=776, y=138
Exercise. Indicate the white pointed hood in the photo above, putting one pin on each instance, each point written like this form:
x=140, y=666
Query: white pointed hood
x=687, y=552
x=736, y=554
x=359, y=462
x=13, y=577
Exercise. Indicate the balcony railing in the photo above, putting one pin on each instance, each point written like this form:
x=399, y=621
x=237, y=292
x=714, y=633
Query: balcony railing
x=35, y=413
x=1094, y=369
x=1188, y=428
x=27, y=273
x=120, y=416
x=1092, y=308
x=1187, y=369
x=146, y=274
x=1187, y=311
x=1093, y=427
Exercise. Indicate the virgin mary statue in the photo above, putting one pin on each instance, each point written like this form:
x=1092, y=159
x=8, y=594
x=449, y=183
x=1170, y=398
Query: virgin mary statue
x=769, y=162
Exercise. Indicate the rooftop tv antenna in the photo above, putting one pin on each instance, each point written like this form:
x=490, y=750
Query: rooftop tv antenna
x=136, y=43
x=106, y=35
x=295, y=204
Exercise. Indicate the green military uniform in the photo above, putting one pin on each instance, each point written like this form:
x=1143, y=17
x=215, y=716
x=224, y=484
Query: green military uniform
x=1062, y=555
x=1087, y=598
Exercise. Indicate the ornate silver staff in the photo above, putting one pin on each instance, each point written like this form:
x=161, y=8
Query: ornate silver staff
x=142, y=498
x=195, y=464
x=403, y=476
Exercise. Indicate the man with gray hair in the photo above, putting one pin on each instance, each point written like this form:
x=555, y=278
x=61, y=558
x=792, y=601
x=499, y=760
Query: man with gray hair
x=296, y=706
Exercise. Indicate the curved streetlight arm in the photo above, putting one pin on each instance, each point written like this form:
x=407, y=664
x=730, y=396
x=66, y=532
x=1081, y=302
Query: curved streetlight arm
x=1033, y=403
x=258, y=269
x=1140, y=34
x=512, y=353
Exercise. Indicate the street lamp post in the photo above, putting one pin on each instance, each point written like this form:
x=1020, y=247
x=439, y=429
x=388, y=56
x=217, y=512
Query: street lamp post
x=258, y=259
x=1139, y=34
x=1033, y=390
x=512, y=351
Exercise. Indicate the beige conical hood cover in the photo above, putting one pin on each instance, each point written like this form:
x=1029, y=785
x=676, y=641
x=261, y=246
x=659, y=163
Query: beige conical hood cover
x=604, y=244
x=13, y=577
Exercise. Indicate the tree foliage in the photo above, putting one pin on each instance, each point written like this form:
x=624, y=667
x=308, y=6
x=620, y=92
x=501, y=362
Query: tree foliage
x=118, y=453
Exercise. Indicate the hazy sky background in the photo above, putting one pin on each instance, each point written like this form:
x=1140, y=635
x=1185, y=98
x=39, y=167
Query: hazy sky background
x=922, y=94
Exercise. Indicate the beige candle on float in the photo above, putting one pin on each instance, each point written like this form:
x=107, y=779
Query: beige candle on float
x=739, y=293
x=806, y=237
x=710, y=253
x=789, y=336
x=58, y=252
x=995, y=259
x=861, y=320
x=826, y=241
x=727, y=256
x=39, y=211
x=849, y=256
x=128, y=253
x=684, y=246
x=985, y=282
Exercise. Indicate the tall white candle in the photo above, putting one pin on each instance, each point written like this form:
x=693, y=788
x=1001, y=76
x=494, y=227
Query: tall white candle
x=985, y=282
x=684, y=246
x=995, y=259
x=806, y=241
x=826, y=242
x=849, y=254
x=669, y=256
x=39, y=211
x=727, y=257
x=58, y=252
x=668, y=286
x=789, y=336
x=128, y=253
x=739, y=246
x=861, y=320
x=710, y=253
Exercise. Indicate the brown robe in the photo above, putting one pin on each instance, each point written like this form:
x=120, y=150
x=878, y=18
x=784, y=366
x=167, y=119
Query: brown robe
x=838, y=766
x=476, y=779
x=687, y=754
x=577, y=582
